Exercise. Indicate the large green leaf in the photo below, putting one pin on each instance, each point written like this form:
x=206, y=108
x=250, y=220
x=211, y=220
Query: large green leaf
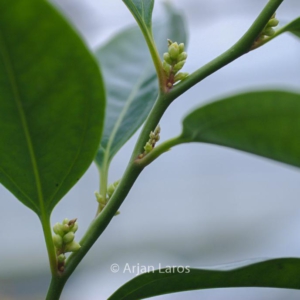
x=131, y=81
x=51, y=104
x=264, y=123
x=277, y=273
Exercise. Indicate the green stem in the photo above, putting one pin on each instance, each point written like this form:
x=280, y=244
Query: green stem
x=157, y=62
x=45, y=220
x=159, y=150
x=148, y=35
x=103, y=172
x=133, y=170
x=237, y=50
x=55, y=288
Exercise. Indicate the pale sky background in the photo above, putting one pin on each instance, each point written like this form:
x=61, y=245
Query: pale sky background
x=208, y=205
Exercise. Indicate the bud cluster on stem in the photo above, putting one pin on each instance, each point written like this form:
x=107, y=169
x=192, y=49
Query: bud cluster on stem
x=154, y=137
x=267, y=32
x=63, y=240
x=173, y=62
x=103, y=201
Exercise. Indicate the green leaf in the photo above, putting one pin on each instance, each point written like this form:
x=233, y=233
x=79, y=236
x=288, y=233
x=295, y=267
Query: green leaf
x=293, y=27
x=264, y=123
x=276, y=273
x=142, y=12
x=51, y=104
x=131, y=81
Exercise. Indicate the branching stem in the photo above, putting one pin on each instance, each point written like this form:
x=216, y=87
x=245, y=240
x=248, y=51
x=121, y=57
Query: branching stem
x=133, y=170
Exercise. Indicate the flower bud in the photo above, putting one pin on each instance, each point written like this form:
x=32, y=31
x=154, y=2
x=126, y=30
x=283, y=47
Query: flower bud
x=181, y=47
x=273, y=23
x=100, y=198
x=66, y=228
x=74, y=227
x=152, y=135
x=181, y=76
x=179, y=66
x=72, y=247
x=69, y=237
x=65, y=221
x=111, y=188
x=61, y=258
x=167, y=58
x=157, y=130
x=182, y=56
x=148, y=147
x=58, y=229
x=57, y=241
x=166, y=67
x=174, y=50
x=269, y=32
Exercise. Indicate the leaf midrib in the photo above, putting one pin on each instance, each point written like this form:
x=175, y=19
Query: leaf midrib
x=17, y=97
x=212, y=125
x=121, y=117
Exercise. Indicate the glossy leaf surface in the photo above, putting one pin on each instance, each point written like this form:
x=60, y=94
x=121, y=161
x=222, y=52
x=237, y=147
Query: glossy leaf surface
x=276, y=273
x=51, y=104
x=142, y=12
x=263, y=123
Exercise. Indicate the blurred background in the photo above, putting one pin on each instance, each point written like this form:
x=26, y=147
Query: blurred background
x=198, y=205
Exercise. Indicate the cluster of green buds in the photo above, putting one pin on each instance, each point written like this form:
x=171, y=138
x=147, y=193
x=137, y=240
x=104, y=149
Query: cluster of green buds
x=174, y=61
x=154, y=137
x=110, y=190
x=64, y=240
x=267, y=32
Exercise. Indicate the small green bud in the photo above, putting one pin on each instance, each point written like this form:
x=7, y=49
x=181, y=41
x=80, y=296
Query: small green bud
x=100, y=198
x=182, y=56
x=111, y=188
x=166, y=67
x=61, y=258
x=179, y=66
x=148, y=147
x=174, y=50
x=74, y=227
x=65, y=221
x=58, y=229
x=57, y=241
x=69, y=237
x=269, y=31
x=181, y=76
x=167, y=58
x=157, y=130
x=152, y=135
x=66, y=228
x=273, y=23
x=72, y=247
x=181, y=47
